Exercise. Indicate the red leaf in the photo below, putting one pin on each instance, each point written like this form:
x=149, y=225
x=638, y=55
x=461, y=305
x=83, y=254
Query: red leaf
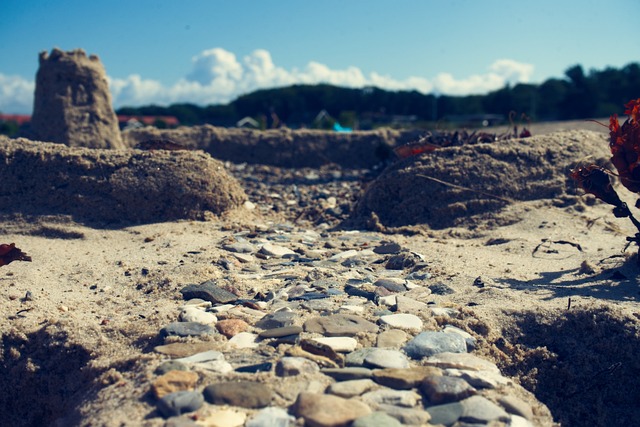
x=9, y=253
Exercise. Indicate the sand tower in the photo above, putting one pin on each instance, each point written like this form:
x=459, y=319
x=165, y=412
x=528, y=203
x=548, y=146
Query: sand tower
x=72, y=102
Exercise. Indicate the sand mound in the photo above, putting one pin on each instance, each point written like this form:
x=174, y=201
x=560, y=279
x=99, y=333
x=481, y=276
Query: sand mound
x=428, y=189
x=283, y=147
x=107, y=185
x=72, y=102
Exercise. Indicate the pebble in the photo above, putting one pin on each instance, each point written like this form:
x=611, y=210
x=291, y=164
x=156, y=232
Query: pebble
x=391, y=338
x=244, y=394
x=174, y=381
x=346, y=374
x=409, y=305
x=290, y=366
x=180, y=422
x=183, y=349
x=208, y=291
x=406, y=398
x=339, y=325
x=409, y=322
x=443, y=389
x=386, y=248
x=404, y=379
x=391, y=284
x=276, y=251
x=186, y=329
x=195, y=314
x=281, y=332
x=239, y=247
x=428, y=344
x=385, y=358
x=513, y=405
x=279, y=319
x=407, y=416
x=223, y=418
x=231, y=327
x=170, y=365
x=339, y=344
x=271, y=417
x=179, y=403
x=378, y=419
x=324, y=410
x=244, y=340
x=351, y=388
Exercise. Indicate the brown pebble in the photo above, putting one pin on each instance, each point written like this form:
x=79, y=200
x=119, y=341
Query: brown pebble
x=174, y=381
x=231, y=327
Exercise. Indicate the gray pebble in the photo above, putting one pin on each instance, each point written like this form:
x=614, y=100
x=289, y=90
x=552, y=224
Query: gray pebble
x=378, y=419
x=179, y=403
x=427, y=344
x=170, y=365
x=279, y=319
x=386, y=358
x=208, y=291
x=187, y=329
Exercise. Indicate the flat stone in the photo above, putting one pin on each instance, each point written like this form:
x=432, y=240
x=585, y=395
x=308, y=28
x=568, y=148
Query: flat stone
x=404, y=379
x=179, y=403
x=325, y=410
x=409, y=322
x=346, y=374
x=387, y=248
x=389, y=300
x=405, y=398
x=478, y=409
x=339, y=325
x=180, y=422
x=244, y=394
x=244, y=340
x=195, y=314
x=255, y=368
x=186, y=329
x=205, y=356
x=444, y=311
x=356, y=358
x=459, y=360
x=170, y=365
x=407, y=416
x=391, y=338
x=401, y=261
x=222, y=418
x=174, y=381
x=427, y=344
x=280, y=332
x=276, y=251
x=231, y=327
x=351, y=388
x=386, y=358
x=409, y=305
x=218, y=366
x=208, y=291
x=443, y=389
x=377, y=419
x=471, y=341
x=279, y=319
x=183, y=349
x=239, y=247
x=271, y=417
x=446, y=414
x=339, y=344
x=244, y=258
x=516, y=406
x=391, y=284
x=290, y=366
x=441, y=289
x=480, y=379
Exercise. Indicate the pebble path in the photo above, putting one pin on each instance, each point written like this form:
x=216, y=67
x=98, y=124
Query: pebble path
x=343, y=333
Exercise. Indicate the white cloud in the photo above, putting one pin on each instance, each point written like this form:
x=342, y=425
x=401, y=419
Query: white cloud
x=16, y=94
x=218, y=76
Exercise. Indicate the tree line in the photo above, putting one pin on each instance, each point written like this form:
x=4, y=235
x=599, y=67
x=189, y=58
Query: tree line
x=578, y=95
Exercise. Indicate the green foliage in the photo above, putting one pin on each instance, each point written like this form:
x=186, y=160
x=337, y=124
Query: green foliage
x=578, y=95
x=9, y=128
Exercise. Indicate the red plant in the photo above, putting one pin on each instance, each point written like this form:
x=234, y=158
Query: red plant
x=624, y=142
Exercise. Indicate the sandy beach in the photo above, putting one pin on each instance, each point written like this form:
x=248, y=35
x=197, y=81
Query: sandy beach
x=544, y=286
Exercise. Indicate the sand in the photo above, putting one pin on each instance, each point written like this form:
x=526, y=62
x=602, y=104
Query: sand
x=558, y=310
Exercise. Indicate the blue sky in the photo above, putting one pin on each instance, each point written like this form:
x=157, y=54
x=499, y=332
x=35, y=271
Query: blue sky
x=210, y=51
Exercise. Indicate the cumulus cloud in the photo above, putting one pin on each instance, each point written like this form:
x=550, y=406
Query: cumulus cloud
x=219, y=76
x=16, y=94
